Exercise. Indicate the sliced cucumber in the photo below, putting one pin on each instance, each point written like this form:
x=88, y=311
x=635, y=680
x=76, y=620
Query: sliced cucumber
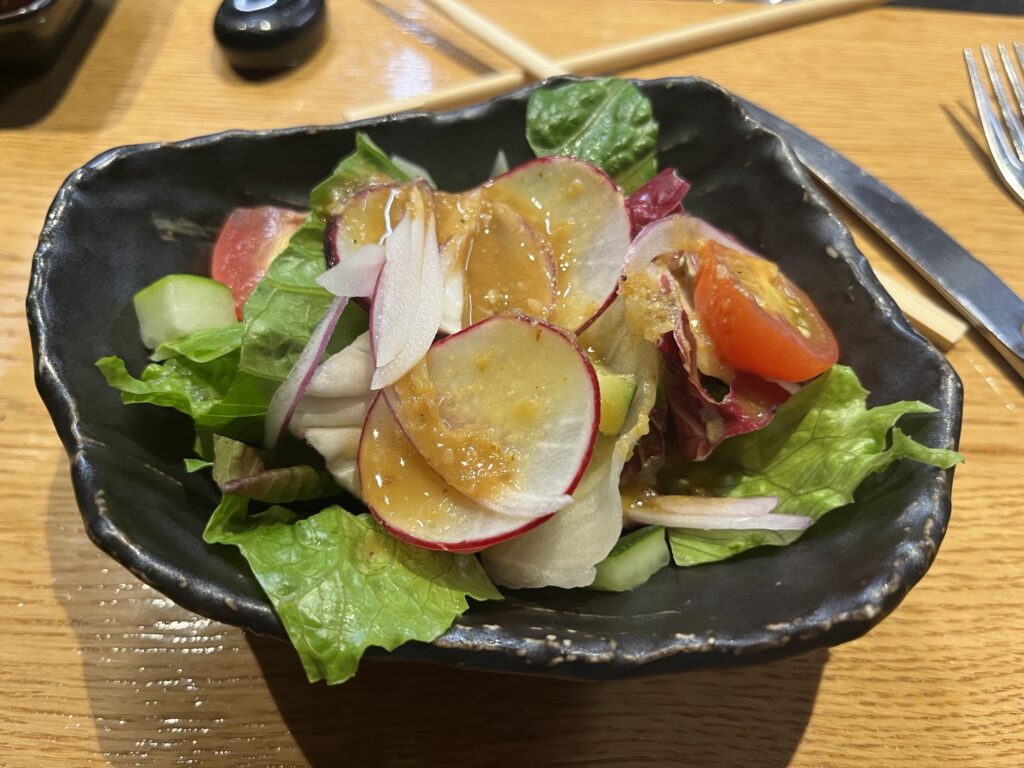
x=617, y=392
x=633, y=560
x=177, y=305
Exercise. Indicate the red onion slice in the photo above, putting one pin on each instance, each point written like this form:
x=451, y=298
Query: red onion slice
x=705, y=513
x=406, y=307
x=286, y=398
x=356, y=275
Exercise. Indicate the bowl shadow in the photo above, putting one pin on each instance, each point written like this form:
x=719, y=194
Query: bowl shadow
x=164, y=685
x=402, y=714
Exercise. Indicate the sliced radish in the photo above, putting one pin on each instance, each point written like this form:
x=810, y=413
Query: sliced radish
x=716, y=513
x=367, y=218
x=413, y=502
x=506, y=411
x=677, y=233
x=583, y=216
x=509, y=266
x=564, y=551
x=458, y=218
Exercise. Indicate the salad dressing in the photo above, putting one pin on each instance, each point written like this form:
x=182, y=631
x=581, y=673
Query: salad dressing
x=401, y=485
x=507, y=266
x=475, y=460
x=370, y=216
x=561, y=237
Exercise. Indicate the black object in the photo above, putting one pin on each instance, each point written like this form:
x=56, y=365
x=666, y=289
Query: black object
x=31, y=33
x=1007, y=7
x=108, y=234
x=263, y=36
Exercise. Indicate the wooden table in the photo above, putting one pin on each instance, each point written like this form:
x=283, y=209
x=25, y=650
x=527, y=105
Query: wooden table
x=97, y=668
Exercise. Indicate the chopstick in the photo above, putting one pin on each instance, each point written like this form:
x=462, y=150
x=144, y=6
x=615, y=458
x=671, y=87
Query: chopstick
x=708, y=34
x=936, y=323
x=638, y=52
x=482, y=88
x=933, y=320
x=526, y=56
x=613, y=58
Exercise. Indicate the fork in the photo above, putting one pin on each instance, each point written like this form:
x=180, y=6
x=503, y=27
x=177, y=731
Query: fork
x=1005, y=137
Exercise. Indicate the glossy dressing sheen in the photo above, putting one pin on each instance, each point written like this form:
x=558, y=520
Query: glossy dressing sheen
x=474, y=457
x=404, y=492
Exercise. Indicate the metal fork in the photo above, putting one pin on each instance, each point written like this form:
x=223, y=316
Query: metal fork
x=1005, y=137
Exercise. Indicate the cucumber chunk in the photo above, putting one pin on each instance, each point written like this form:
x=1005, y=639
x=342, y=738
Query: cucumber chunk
x=177, y=305
x=633, y=560
x=617, y=392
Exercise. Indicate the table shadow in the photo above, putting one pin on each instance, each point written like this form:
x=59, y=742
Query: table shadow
x=405, y=714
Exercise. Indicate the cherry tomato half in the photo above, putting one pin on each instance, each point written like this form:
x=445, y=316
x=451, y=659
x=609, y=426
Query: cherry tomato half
x=249, y=240
x=758, y=320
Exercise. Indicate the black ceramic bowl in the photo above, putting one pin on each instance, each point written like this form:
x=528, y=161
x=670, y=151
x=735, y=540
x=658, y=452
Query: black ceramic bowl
x=136, y=213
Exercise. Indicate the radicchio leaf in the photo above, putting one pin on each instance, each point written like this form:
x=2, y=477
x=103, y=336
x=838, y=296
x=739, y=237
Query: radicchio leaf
x=701, y=421
x=239, y=470
x=660, y=197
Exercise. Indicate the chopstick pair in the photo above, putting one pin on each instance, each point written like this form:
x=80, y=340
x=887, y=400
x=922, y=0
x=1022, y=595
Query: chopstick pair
x=535, y=65
x=941, y=326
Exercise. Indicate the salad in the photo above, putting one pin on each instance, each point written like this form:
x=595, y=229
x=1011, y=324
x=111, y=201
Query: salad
x=410, y=397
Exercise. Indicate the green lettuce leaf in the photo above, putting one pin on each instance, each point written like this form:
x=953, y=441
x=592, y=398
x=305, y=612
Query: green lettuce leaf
x=340, y=584
x=279, y=317
x=218, y=377
x=192, y=388
x=607, y=122
x=202, y=346
x=819, y=447
x=365, y=164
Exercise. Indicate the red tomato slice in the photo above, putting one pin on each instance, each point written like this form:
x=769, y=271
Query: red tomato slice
x=250, y=239
x=758, y=320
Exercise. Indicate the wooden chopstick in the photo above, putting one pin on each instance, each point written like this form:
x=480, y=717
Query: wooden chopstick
x=936, y=323
x=482, y=88
x=525, y=55
x=708, y=34
x=942, y=327
x=638, y=52
x=610, y=59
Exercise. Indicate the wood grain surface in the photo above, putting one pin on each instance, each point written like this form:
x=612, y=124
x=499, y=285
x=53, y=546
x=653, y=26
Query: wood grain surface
x=97, y=669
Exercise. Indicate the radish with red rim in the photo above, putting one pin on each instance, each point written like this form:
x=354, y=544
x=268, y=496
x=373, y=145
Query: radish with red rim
x=413, y=503
x=506, y=411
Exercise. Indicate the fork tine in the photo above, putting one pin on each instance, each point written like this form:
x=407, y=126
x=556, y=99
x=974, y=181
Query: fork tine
x=1011, y=74
x=1013, y=125
x=1006, y=161
x=995, y=134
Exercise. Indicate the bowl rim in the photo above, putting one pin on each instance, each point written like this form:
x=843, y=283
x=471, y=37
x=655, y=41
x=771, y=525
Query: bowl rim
x=892, y=583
